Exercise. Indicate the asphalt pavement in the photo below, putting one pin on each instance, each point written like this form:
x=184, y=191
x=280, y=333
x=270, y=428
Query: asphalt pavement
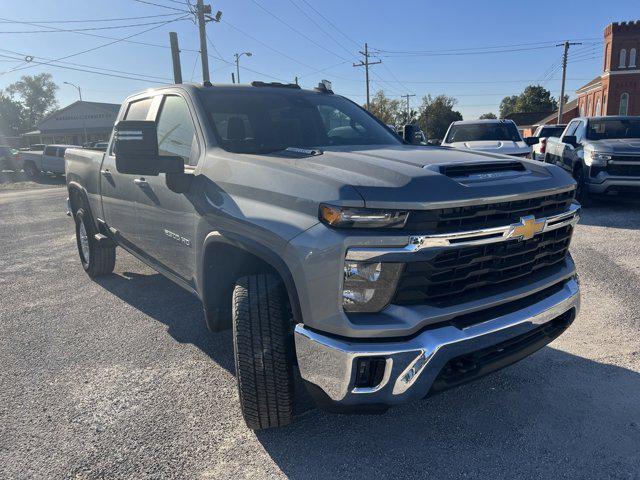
x=119, y=378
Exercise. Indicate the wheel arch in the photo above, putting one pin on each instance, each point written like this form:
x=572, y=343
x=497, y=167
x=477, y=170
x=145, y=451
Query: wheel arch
x=225, y=258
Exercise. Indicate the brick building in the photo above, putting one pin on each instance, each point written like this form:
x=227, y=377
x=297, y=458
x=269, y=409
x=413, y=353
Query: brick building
x=617, y=90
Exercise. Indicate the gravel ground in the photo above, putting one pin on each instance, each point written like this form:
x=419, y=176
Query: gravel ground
x=120, y=379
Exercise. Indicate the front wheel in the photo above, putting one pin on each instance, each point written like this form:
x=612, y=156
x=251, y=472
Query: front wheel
x=96, y=259
x=263, y=347
x=31, y=170
x=582, y=189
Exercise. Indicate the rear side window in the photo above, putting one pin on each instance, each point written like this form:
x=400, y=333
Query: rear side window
x=138, y=110
x=50, y=151
x=176, y=132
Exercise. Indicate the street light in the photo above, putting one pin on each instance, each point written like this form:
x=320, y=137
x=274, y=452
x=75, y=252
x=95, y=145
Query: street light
x=84, y=127
x=238, y=55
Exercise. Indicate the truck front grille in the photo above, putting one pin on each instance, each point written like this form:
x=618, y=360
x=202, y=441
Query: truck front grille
x=446, y=220
x=461, y=274
x=622, y=170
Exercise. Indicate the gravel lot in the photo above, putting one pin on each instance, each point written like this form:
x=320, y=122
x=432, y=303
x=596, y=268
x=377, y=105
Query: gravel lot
x=120, y=379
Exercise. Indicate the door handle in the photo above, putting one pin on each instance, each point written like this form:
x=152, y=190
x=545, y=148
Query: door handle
x=141, y=182
x=106, y=173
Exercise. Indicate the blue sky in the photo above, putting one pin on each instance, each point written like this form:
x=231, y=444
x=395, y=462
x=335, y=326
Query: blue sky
x=286, y=43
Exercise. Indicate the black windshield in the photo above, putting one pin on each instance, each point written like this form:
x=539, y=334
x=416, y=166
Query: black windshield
x=262, y=121
x=474, y=132
x=613, y=128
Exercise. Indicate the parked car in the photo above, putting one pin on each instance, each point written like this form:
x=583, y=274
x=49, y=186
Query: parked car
x=542, y=133
x=602, y=154
x=491, y=136
x=50, y=160
x=9, y=159
x=382, y=271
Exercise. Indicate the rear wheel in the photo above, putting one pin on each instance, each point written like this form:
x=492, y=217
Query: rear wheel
x=263, y=347
x=96, y=258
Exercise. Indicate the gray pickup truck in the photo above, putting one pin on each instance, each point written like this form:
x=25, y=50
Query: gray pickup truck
x=602, y=153
x=381, y=272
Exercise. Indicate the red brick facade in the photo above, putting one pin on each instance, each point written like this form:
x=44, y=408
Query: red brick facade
x=617, y=90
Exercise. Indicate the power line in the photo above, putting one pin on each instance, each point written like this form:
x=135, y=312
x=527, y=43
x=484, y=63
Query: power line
x=118, y=40
x=464, y=49
x=94, y=19
x=74, y=30
x=297, y=31
x=163, y=6
x=332, y=24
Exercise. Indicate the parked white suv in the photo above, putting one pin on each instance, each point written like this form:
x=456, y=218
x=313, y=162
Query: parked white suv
x=543, y=132
x=492, y=136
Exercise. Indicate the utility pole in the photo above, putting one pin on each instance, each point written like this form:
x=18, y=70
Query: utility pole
x=406, y=97
x=366, y=63
x=201, y=10
x=233, y=77
x=565, y=55
x=175, y=57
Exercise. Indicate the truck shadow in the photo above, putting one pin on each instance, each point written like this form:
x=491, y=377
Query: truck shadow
x=553, y=415
x=181, y=312
x=9, y=177
x=612, y=212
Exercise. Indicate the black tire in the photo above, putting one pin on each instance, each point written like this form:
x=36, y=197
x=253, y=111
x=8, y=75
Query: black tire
x=582, y=191
x=96, y=259
x=31, y=170
x=263, y=347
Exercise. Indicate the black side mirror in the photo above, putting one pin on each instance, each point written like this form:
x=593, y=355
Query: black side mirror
x=570, y=139
x=532, y=140
x=412, y=134
x=136, y=149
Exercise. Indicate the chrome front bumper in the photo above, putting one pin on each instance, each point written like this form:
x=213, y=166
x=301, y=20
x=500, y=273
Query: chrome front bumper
x=412, y=365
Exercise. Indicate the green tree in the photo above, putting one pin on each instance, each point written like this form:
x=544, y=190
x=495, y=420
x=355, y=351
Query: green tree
x=11, y=116
x=436, y=114
x=37, y=95
x=388, y=110
x=488, y=116
x=534, y=98
x=508, y=105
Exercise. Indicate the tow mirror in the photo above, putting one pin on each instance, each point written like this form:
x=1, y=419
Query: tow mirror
x=136, y=150
x=570, y=139
x=412, y=134
x=532, y=140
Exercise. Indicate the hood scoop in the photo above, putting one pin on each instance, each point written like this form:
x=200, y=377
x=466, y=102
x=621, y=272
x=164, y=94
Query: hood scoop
x=482, y=170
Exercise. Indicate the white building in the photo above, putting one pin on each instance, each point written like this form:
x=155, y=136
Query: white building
x=76, y=124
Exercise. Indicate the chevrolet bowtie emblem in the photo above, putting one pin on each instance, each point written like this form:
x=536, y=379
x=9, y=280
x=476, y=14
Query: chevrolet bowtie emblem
x=527, y=228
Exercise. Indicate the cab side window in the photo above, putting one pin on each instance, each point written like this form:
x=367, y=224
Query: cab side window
x=50, y=151
x=176, y=132
x=571, y=129
x=137, y=110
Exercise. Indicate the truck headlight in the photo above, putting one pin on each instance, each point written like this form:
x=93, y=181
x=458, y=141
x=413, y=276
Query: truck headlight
x=592, y=158
x=350, y=217
x=369, y=286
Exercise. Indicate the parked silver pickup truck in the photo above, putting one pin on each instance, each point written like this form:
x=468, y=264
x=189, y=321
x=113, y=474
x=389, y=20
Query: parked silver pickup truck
x=602, y=154
x=381, y=271
x=50, y=160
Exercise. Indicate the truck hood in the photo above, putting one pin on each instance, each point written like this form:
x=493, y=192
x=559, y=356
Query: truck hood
x=616, y=145
x=494, y=146
x=412, y=176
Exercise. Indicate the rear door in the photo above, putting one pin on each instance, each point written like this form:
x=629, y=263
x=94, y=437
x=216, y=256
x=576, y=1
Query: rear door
x=48, y=157
x=167, y=219
x=119, y=192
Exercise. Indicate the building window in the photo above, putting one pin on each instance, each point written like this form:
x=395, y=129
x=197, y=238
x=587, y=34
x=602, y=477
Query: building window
x=624, y=104
x=632, y=58
x=589, y=107
x=604, y=104
x=606, y=57
x=597, y=111
x=623, y=58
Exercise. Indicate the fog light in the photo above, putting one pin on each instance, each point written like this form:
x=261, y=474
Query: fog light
x=369, y=286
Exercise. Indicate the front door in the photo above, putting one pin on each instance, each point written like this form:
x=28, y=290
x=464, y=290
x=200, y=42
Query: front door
x=120, y=190
x=167, y=219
